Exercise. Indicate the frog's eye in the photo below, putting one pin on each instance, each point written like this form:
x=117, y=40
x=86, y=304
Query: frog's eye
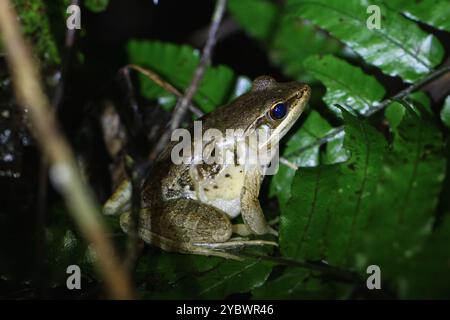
x=278, y=111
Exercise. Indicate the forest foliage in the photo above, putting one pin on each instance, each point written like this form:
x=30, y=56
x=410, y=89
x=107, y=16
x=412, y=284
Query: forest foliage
x=375, y=193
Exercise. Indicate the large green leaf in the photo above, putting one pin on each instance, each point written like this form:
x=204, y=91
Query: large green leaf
x=294, y=41
x=346, y=84
x=177, y=64
x=302, y=151
x=288, y=40
x=193, y=277
x=432, y=12
x=407, y=192
x=329, y=205
x=297, y=283
x=429, y=276
x=410, y=54
x=257, y=17
x=305, y=216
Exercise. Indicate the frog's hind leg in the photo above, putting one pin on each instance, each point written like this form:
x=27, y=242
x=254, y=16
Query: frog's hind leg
x=189, y=226
x=184, y=247
x=167, y=244
x=235, y=244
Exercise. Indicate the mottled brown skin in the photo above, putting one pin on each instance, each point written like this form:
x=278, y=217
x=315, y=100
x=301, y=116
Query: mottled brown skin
x=187, y=208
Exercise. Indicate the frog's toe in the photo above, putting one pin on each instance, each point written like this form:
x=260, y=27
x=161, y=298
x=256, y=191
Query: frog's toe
x=125, y=221
x=272, y=231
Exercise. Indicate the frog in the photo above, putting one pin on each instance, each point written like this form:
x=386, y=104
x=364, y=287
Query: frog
x=188, y=207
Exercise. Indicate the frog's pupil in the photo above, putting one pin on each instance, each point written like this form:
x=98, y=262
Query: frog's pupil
x=278, y=111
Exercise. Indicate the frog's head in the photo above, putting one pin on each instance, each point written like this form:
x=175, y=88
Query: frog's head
x=280, y=105
x=268, y=105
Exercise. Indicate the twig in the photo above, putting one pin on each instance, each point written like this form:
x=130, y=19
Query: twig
x=63, y=169
x=326, y=138
x=403, y=93
x=40, y=226
x=133, y=229
x=181, y=107
x=183, y=103
x=66, y=60
x=323, y=268
x=131, y=166
x=288, y=163
x=164, y=84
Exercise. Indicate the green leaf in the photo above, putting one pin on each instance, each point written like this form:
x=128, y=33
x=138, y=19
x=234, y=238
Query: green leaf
x=428, y=277
x=304, y=218
x=334, y=200
x=96, y=5
x=394, y=114
x=159, y=272
x=289, y=41
x=257, y=17
x=177, y=64
x=346, y=84
x=407, y=193
x=302, y=151
x=410, y=55
x=296, y=40
x=296, y=283
x=432, y=12
x=192, y=277
x=289, y=285
x=445, y=112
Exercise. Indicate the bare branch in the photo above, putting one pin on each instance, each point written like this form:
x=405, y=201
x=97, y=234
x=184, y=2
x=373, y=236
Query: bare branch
x=164, y=84
x=183, y=103
x=63, y=169
x=405, y=92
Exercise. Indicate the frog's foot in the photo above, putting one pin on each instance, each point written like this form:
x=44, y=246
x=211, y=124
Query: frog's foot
x=235, y=244
x=242, y=230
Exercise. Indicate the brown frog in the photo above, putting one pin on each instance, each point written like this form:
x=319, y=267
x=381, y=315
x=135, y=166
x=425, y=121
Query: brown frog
x=188, y=207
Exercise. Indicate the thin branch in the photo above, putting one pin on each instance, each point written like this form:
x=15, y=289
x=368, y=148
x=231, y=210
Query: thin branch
x=133, y=230
x=183, y=103
x=405, y=92
x=63, y=168
x=164, y=84
x=66, y=61
x=288, y=163
x=131, y=167
x=317, y=143
x=40, y=226
x=181, y=107
x=343, y=275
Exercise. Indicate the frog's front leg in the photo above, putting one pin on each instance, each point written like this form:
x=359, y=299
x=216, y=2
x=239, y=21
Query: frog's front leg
x=252, y=214
x=119, y=201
